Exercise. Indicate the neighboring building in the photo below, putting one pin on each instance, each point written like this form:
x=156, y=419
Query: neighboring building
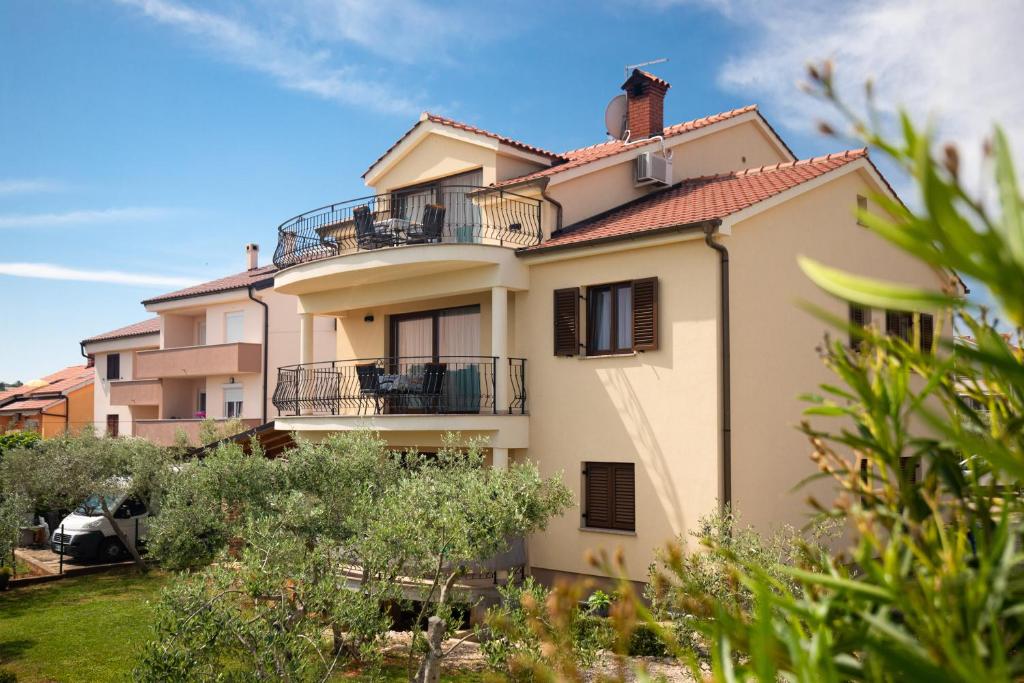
x=119, y=398
x=56, y=404
x=203, y=356
x=568, y=307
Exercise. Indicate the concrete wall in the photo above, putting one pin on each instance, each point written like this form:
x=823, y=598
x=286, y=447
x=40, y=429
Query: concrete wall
x=773, y=350
x=437, y=156
x=657, y=409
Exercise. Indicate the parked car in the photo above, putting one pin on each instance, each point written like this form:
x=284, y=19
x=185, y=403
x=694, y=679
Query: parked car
x=87, y=534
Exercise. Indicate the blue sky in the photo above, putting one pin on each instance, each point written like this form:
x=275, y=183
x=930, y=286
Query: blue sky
x=144, y=142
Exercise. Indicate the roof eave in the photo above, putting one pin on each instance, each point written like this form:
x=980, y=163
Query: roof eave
x=624, y=237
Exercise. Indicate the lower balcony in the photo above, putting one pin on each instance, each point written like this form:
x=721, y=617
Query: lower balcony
x=165, y=432
x=199, y=361
x=136, y=392
x=472, y=395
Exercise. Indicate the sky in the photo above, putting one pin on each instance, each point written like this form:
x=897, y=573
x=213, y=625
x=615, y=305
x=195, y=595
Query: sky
x=143, y=143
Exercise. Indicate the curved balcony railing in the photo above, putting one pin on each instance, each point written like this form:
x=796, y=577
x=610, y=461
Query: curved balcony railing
x=436, y=215
x=446, y=385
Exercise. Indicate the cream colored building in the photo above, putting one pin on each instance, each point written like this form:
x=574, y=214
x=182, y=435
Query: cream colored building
x=202, y=357
x=568, y=307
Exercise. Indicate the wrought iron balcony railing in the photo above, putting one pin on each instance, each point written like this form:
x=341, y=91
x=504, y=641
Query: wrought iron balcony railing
x=435, y=215
x=408, y=385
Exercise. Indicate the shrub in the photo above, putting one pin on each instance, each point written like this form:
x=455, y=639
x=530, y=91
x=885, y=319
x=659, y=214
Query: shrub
x=646, y=642
x=8, y=676
x=17, y=439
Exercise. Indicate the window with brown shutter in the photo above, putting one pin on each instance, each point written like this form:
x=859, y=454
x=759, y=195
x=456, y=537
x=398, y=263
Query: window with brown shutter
x=113, y=425
x=860, y=317
x=900, y=324
x=113, y=366
x=927, y=331
x=622, y=317
x=609, y=496
x=567, y=321
x=862, y=206
x=908, y=470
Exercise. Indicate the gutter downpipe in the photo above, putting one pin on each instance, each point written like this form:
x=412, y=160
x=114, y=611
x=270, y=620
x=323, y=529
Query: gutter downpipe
x=266, y=368
x=723, y=254
x=555, y=203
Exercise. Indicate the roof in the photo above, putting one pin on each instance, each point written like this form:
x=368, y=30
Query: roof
x=697, y=200
x=30, y=405
x=585, y=155
x=59, y=382
x=250, y=278
x=641, y=75
x=451, y=123
x=151, y=326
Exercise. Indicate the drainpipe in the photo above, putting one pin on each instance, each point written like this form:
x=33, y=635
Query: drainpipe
x=555, y=203
x=266, y=368
x=726, y=466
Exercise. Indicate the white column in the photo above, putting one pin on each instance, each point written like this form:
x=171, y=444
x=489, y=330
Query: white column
x=499, y=458
x=499, y=346
x=305, y=337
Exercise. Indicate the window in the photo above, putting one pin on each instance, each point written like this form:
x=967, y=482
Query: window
x=860, y=317
x=201, y=332
x=113, y=425
x=609, y=498
x=621, y=317
x=901, y=324
x=908, y=470
x=113, y=366
x=234, y=327
x=201, y=402
x=862, y=206
x=232, y=401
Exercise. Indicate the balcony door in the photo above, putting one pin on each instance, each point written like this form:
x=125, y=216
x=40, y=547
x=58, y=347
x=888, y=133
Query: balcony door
x=462, y=216
x=428, y=335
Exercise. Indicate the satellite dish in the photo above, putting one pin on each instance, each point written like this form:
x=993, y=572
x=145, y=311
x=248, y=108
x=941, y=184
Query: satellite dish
x=615, y=117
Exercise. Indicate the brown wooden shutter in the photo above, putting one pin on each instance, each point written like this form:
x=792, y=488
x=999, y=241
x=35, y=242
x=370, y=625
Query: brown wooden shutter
x=900, y=324
x=113, y=425
x=908, y=470
x=927, y=332
x=567, y=321
x=624, y=499
x=113, y=366
x=598, y=495
x=859, y=317
x=645, y=314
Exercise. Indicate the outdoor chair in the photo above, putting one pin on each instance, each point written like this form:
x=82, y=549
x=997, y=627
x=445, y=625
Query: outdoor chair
x=431, y=228
x=369, y=386
x=433, y=385
x=367, y=236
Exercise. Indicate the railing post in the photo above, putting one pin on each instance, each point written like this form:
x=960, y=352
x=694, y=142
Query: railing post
x=494, y=384
x=63, y=540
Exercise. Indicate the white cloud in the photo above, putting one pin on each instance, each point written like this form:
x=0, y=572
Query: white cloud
x=956, y=61
x=82, y=217
x=291, y=42
x=26, y=186
x=49, y=271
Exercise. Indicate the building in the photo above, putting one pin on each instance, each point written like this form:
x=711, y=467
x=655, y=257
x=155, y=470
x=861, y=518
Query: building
x=202, y=357
x=622, y=314
x=56, y=404
x=119, y=400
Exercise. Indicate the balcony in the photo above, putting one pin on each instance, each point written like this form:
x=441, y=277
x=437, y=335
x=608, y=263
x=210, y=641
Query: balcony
x=199, y=361
x=139, y=392
x=452, y=214
x=165, y=432
x=416, y=395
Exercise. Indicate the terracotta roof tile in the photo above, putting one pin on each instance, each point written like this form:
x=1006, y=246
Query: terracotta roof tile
x=62, y=380
x=585, y=155
x=698, y=199
x=248, y=278
x=151, y=326
x=29, y=405
x=451, y=123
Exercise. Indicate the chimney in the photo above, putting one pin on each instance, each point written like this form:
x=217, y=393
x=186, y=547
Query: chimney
x=252, y=254
x=645, y=104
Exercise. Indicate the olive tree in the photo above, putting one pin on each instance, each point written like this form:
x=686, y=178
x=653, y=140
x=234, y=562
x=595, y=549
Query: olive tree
x=65, y=471
x=288, y=563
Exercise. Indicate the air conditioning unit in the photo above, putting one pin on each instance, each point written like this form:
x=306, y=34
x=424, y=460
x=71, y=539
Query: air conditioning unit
x=652, y=169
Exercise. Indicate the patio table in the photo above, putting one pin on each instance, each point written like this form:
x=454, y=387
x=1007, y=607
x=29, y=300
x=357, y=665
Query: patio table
x=395, y=227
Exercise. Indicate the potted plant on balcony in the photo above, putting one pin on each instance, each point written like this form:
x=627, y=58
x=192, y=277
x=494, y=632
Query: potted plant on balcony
x=200, y=415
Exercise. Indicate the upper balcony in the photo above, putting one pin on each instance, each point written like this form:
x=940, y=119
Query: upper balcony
x=199, y=361
x=390, y=235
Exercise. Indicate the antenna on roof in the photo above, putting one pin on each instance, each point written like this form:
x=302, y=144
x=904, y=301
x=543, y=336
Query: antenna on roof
x=630, y=67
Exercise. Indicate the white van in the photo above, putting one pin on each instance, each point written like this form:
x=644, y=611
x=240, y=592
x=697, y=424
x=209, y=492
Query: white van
x=86, y=534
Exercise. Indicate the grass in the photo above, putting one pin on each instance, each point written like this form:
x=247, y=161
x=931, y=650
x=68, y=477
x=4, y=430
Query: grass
x=90, y=628
x=85, y=628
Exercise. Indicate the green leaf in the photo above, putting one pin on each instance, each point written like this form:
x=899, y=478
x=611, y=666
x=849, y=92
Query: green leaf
x=874, y=293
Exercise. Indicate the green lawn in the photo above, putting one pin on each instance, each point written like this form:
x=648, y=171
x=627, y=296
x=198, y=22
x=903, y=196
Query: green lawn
x=90, y=629
x=60, y=631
